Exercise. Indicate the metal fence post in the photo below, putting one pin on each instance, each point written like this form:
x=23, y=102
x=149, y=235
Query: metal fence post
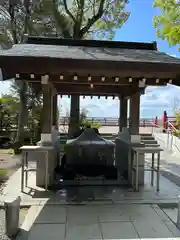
x=168, y=140
x=178, y=213
x=152, y=125
x=171, y=144
x=12, y=209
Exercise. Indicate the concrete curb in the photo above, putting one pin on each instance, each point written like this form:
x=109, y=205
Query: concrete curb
x=161, y=202
x=173, y=177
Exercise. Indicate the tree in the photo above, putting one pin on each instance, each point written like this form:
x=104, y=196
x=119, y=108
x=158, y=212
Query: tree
x=13, y=15
x=30, y=105
x=8, y=111
x=80, y=19
x=33, y=108
x=168, y=23
x=15, y=21
x=83, y=121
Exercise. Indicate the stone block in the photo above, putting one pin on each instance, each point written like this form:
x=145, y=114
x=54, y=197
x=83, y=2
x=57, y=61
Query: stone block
x=121, y=158
x=12, y=209
x=41, y=167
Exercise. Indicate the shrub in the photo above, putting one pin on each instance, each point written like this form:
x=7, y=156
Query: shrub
x=176, y=132
x=3, y=172
x=87, y=123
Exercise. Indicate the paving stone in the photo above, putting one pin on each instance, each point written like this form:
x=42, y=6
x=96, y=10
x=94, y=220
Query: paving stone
x=172, y=213
x=159, y=239
x=83, y=232
x=112, y=214
x=151, y=228
x=137, y=211
x=52, y=214
x=172, y=227
x=47, y=232
x=118, y=230
x=90, y=222
x=82, y=215
x=161, y=213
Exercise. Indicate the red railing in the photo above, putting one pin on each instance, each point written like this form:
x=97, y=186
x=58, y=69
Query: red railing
x=144, y=122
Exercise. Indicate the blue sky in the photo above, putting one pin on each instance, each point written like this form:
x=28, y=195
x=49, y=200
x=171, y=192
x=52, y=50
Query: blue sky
x=139, y=27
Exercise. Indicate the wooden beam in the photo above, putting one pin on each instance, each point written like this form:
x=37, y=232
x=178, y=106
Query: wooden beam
x=44, y=65
x=87, y=79
x=93, y=90
x=91, y=43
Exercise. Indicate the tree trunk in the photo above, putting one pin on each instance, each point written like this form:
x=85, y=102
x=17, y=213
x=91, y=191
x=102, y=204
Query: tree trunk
x=22, y=113
x=74, y=114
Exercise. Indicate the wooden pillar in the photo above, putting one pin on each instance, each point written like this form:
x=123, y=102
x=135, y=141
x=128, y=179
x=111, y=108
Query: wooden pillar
x=123, y=113
x=46, y=111
x=74, y=114
x=55, y=110
x=134, y=115
x=45, y=167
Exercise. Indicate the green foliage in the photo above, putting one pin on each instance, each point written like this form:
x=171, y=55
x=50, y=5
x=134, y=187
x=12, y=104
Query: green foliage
x=3, y=172
x=168, y=23
x=8, y=110
x=83, y=122
x=177, y=117
x=9, y=106
x=74, y=19
x=87, y=123
x=176, y=132
x=176, y=129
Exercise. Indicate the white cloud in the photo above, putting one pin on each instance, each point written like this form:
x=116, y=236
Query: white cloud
x=173, y=55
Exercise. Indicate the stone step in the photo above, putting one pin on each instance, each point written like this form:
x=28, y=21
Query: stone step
x=146, y=134
x=147, y=137
x=152, y=145
x=149, y=142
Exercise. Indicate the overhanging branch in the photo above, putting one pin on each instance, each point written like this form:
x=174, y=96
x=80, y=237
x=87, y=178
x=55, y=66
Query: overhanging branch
x=92, y=20
x=67, y=11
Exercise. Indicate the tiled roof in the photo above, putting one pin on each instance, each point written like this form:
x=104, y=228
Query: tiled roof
x=89, y=53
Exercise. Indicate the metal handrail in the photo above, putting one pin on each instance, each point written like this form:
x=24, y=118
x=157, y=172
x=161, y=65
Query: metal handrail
x=169, y=123
x=167, y=131
x=170, y=136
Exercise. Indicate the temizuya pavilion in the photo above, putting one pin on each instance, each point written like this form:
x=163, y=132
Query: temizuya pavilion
x=89, y=67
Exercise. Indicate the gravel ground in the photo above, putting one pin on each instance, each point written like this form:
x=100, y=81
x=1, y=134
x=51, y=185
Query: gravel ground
x=3, y=236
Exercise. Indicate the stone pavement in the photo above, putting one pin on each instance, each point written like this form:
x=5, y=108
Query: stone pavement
x=94, y=212
x=172, y=213
x=169, y=165
x=119, y=221
x=170, y=159
x=33, y=195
